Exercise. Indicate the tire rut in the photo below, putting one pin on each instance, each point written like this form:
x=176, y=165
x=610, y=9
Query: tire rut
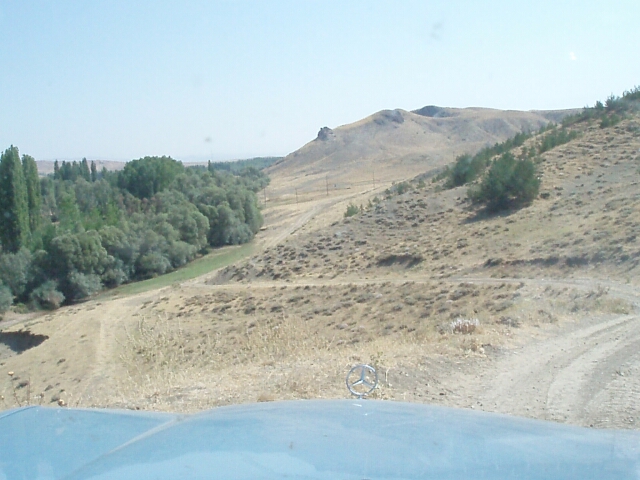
x=560, y=378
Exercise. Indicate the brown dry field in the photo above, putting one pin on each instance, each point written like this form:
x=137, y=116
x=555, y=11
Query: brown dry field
x=550, y=294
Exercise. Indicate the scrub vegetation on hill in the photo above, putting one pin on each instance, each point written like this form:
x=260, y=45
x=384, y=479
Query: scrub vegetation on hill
x=69, y=235
x=611, y=112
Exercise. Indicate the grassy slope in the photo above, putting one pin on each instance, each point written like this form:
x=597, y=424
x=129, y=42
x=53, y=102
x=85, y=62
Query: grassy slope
x=218, y=259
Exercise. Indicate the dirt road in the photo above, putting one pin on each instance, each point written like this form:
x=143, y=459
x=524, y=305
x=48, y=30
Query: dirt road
x=589, y=376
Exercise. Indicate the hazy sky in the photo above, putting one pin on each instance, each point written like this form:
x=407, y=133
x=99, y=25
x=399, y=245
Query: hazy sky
x=118, y=80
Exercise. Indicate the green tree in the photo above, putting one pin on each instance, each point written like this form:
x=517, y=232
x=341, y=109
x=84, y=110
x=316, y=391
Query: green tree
x=82, y=285
x=77, y=261
x=465, y=170
x=47, y=295
x=14, y=203
x=34, y=197
x=82, y=252
x=94, y=171
x=84, y=170
x=66, y=171
x=509, y=182
x=149, y=175
x=16, y=272
x=68, y=211
x=6, y=299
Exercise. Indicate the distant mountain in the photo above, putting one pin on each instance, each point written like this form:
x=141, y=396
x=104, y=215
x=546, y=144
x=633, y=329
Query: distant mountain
x=395, y=144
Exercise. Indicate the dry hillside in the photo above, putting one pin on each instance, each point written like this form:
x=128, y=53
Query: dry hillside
x=393, y=144
x=532, y=312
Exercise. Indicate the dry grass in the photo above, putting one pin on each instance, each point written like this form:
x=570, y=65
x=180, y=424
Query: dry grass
x=287, y=357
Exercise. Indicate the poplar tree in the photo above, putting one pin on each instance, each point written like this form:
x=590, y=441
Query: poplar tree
x=14, y=204
x=94, y=171
x=84, y=170
x=34, y=197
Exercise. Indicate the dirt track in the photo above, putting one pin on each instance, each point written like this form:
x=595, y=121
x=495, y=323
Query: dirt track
x=588, y=376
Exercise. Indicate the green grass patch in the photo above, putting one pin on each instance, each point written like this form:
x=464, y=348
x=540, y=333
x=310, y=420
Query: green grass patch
x=201, y=266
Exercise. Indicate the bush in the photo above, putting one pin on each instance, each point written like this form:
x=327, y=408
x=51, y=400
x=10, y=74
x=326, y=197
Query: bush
x=115, y=274
x=351, y=210
x=180, y=253
x=6, y=298
x=509, y=182
x=465, y=170
x=47, y=296
x=556, y=137
x=464, y=325
x=15, y=271
x=153, y=264
x=79, y=286
x=610, y=121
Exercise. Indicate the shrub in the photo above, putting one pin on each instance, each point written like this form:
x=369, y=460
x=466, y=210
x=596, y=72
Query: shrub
x=180, y=253
x=115, y=274
x=610, y=121
x=153, y=264
x=79, y=285
x=6, y=298
x=15, y=271
x=508, y=182
x=351, y=210
x=464, y=325
x=402, y=187
x=465, y=170
x=556, y=137
x=47, y=296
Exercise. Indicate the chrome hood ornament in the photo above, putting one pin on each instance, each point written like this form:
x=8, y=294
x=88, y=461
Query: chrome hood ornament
x=362, y=380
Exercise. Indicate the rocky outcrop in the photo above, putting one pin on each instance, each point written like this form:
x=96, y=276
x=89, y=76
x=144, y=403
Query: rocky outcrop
x=325, y=133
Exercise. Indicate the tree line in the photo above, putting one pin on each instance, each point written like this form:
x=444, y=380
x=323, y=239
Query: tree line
x=609, y=113
x=68, y=235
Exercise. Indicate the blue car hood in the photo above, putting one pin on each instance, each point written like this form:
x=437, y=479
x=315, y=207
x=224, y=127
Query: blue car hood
x=323, y=439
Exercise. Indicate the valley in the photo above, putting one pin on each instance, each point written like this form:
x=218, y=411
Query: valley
x=532, y=312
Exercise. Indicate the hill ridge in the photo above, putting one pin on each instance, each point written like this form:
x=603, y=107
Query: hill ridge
x=400, y=143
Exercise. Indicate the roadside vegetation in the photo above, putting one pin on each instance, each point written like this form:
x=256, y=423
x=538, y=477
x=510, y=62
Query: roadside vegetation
x=69, y=235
